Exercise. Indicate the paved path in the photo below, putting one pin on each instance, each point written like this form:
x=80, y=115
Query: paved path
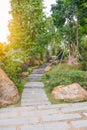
x=37, y=113
x=34, y=93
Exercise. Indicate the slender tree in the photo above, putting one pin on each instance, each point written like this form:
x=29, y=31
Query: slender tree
x=26, y=25
x=66, y=15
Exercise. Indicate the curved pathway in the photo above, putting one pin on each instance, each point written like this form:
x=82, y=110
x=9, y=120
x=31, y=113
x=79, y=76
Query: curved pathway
x=37, y=113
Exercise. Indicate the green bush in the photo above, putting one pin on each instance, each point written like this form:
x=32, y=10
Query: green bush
x=13, y=70
x=10, y=62
x=64, y=77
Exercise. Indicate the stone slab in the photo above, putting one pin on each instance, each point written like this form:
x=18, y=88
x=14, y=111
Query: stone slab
x=35, y=79
x=58, y=117
x=16, y=109
x=28, y=96
x=73, y=109
x=38, y=71
x=79, y=123
x=18, y=121
x=45, y=65
x=35, y=75
x=35, y=103
x=8, y=115
x=34, y=90
x=57, y=106
x=53, y=126
x=39, y=112
x=34, y=100
x=78, y=104
x=34, y=84
x=8, y=128
x=85, y=113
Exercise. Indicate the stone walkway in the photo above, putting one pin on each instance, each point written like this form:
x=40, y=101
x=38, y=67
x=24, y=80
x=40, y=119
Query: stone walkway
x=37, y=113
x=34, y=93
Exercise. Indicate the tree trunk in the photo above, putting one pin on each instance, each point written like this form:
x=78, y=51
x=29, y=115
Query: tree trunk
x=72, y=59
x=77, y=41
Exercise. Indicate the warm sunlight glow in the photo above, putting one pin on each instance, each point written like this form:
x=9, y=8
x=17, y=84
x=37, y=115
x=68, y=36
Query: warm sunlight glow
x=4, y=18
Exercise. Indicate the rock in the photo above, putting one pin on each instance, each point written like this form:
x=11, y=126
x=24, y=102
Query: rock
x=50, y=61
x=25, y=74
x=8, y=91
x=72, y=92
x=35, y=67
x=55, y=62
x=48, y=68
x=53, y=58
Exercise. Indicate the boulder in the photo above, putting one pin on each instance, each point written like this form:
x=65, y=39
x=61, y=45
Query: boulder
x=48, y=68
x=25, y=74
x=72, y=92
x=8, y=91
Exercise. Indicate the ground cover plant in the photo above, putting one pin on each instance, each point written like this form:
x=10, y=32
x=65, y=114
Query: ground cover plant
x=63, y=75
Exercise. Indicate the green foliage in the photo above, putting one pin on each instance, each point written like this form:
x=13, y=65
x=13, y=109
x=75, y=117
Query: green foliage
x=82, y=15
x=13, y=70
x=83, y=52
x=20, y=86
x=63, y=76
x=11, y=61
x=70, y=18
x=26, y=26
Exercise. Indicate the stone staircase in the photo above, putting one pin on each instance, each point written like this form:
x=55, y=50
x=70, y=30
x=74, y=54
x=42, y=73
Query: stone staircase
x=34, y=93
x=37, y=113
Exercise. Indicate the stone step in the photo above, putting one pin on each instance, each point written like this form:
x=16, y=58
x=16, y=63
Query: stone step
x=31, y=91
x=45, y=65
x=38, y=71
x=39, y=113
x=25, y=96
x=35, y=103
x=35, y=77
x=51, y=126
x=15, y=109
x=34, y=85
x=37, y=91
x=34, y=100
x=36, y=97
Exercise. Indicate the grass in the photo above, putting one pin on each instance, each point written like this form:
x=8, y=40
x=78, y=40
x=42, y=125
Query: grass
x=62, y=75
x=20, y=85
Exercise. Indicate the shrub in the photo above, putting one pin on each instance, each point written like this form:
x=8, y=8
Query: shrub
x=64, y=77
x=13, y=70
